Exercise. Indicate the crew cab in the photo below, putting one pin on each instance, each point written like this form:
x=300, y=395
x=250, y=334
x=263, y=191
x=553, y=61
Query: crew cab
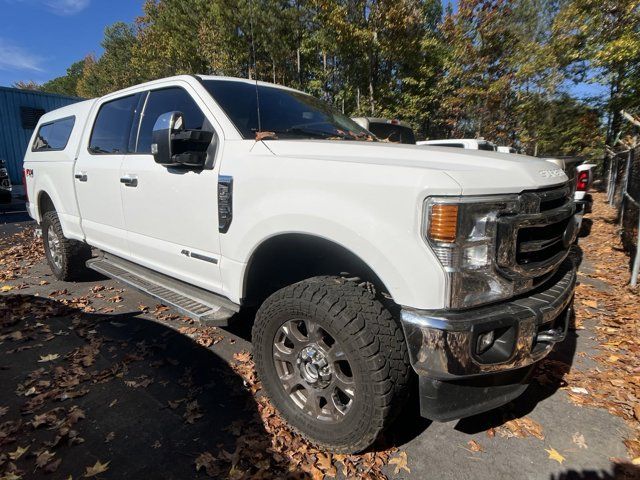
x=371, y=263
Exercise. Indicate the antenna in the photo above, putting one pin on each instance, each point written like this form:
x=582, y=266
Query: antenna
x=255, y=64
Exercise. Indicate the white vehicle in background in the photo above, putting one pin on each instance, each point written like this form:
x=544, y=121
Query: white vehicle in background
x=584, y=179
x=386, y=129
x=465, y=143
x=371, y=262
x=505, y=149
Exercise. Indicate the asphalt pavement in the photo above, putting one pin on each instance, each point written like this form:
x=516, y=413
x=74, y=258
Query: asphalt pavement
x=158, y=444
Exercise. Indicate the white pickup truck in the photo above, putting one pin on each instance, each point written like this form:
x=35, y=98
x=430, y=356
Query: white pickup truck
x=372, y=263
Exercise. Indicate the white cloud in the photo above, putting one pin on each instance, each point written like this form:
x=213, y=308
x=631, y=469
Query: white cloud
x=66, y=7
x=14, y=57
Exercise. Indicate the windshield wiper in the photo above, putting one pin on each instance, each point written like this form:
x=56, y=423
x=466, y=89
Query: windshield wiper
x=310, y=132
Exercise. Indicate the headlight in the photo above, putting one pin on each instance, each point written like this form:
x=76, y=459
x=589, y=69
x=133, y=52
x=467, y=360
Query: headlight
x=462, y=231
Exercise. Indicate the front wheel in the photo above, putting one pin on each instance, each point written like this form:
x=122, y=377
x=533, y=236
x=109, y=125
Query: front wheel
x=333, y=361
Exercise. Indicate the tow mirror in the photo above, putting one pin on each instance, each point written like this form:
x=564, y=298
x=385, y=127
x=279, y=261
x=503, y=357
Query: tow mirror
x=172, y=145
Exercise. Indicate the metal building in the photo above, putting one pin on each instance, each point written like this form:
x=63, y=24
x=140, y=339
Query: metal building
x=20, y=111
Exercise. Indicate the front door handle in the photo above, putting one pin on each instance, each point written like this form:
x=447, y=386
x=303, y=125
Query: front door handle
x=82, y=176
x=129, y=180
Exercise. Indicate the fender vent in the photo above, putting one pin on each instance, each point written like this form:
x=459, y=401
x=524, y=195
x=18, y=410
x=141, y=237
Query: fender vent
x=225, y=203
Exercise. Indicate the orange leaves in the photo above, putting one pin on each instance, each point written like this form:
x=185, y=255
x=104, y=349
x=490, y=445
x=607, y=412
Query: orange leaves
x=400, y=463
x=520, y=428
x=604, y=297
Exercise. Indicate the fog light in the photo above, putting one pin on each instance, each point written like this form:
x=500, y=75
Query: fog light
x=485, y=340
x=476, y=256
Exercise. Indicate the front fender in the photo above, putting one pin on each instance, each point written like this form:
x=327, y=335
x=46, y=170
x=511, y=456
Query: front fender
x=393, y=249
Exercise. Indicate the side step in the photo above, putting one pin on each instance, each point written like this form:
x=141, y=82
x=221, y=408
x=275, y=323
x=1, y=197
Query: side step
x=194, y=302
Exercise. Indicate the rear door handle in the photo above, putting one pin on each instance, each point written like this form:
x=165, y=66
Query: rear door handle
x=129, y=180
x=82, y=176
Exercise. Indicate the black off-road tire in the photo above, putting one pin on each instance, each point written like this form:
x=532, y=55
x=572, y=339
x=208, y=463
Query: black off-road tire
x=69, y=261
x=373, y=341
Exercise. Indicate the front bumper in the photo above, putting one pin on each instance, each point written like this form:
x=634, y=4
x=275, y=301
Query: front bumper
x=456, y=378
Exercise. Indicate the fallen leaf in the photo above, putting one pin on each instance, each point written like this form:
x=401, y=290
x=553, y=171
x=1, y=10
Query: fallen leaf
x=48, y=358
x=325, y=464
x=6, y=288
x=43, y=458
x=474, y=446
x=400, y=462
x=590, y=303
x=18, y=453
x=207, y=461
x=3, y=411
x=521, y=428
x=193, y=412
x=97, y=469
x=578, y=439
x=636, y=461
x=554, y=455
x=110, y=436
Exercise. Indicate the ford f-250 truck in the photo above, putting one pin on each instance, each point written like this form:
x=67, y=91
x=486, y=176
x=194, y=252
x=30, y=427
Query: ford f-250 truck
x=371, y=263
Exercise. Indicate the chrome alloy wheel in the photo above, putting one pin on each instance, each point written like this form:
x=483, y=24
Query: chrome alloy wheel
x=314, y=370
x=55, y=249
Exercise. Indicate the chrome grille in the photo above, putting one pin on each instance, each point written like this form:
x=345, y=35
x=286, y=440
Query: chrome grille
x=534, y=242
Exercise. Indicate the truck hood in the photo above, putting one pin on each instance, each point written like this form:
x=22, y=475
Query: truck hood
x=476, y=171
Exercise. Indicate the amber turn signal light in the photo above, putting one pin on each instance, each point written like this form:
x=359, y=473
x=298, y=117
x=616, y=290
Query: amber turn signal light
x=443, y=223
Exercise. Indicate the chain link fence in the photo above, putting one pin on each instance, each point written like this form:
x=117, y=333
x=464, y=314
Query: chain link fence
x=623, y=192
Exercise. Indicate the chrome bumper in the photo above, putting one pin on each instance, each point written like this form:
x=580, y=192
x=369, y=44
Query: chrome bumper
x=442, y=344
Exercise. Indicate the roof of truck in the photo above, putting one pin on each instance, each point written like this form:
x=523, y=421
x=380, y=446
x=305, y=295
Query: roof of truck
x=75, y=109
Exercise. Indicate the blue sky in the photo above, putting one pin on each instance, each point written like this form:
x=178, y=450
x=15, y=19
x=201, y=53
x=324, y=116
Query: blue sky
x=39, y=39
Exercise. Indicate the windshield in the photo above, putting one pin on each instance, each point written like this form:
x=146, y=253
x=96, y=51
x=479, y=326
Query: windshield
x=286, y=113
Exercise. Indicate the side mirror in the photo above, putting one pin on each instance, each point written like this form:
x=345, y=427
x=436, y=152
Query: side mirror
x=172, y=145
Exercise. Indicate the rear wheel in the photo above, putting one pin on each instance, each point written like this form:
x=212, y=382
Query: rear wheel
x=66, y=257
x=333, y=361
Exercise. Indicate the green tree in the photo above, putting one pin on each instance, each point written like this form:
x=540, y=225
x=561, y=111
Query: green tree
x=66, y=84
x=599, y=40
x=114, y=69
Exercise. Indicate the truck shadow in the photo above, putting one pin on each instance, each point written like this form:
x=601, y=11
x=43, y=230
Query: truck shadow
x=153, y=399
x=619, y=471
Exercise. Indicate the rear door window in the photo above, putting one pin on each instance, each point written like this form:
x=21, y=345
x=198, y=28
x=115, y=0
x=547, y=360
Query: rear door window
x=163, y=101
x=54, y=135
x=112, y=127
